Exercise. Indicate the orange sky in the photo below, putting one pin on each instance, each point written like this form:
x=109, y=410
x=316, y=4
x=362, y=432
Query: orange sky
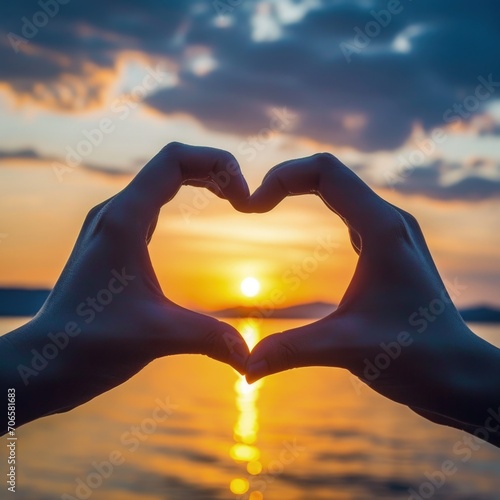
x=201, y=259
x=52, y=94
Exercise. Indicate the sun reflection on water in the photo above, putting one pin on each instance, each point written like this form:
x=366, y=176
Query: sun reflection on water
x=245, y=450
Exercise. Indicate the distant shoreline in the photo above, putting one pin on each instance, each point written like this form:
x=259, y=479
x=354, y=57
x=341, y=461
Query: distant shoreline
x=317, y=310
x=21, y=302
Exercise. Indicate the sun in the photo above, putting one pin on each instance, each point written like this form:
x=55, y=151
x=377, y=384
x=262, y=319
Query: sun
x=250, y=286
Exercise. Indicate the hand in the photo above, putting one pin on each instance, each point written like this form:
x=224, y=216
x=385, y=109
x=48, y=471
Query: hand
x=395, y=328
x=107, y=315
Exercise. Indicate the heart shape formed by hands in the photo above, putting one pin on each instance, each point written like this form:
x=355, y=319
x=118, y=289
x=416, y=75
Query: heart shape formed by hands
x=394, y=277
x=394, y=285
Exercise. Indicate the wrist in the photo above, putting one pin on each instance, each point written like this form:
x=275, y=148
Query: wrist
x=33, y=372
x=473, y=383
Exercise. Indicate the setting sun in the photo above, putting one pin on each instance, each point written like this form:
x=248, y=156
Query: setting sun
x=250, y=287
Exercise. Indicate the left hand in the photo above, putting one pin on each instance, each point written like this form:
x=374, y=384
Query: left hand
x=108, y=307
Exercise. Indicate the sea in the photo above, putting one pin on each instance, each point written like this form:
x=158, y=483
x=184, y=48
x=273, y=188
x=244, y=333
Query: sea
x=188, y=427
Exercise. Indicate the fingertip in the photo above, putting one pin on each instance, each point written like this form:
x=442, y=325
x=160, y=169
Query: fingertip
x=241, y=204
x=256, y=370
x=262, y=200
x=238, y=362
x=252, y=208
x=230, y=180
x=239, y=190
x=250, y=380
x=235, y=347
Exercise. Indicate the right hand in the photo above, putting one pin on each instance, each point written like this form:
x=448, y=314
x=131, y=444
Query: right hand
x=395, y=314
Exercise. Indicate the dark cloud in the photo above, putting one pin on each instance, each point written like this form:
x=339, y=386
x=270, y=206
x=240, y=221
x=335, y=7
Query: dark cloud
x=20, y=154
x=32, y=156
x=471, y=185
x=370, y=103
x=426, y=60
x=491, y=130
x=59, y=59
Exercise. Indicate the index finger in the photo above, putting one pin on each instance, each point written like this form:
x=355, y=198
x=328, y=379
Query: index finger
x=177, y=164
x=338, y=186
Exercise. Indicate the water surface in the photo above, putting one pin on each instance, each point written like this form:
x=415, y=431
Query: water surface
x=187, y=427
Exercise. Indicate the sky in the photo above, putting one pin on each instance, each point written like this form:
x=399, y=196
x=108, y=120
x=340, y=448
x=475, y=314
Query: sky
x=407, y=93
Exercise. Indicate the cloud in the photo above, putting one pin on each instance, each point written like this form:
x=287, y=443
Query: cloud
x=69, y=60
x=34, y=157
x=425, y=59
x=476, y=181
x=371, y=103
x=20, y=154
x=491, y=131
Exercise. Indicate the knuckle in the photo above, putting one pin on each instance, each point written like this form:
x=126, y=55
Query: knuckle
x=325, y=156
x=288, y=354
x=227, y=162
x=216, y=343
x=394, y=223
x=226, y=156
x=325, y=160
x=112, y=221
x=93, y=214
x=393, y=227
x=210, y=342
x=410, y=220
x=279, y=182
x=106, y=218
x=172, y=148
x=326, y=164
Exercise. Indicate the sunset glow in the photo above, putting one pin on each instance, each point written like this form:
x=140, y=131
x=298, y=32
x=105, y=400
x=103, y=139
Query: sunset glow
x=210, y=249
x=245, y=449
x=170, y=90
x=250, y=287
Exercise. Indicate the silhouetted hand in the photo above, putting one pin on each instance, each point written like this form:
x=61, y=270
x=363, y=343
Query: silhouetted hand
x=396, y=328
x=107, y=316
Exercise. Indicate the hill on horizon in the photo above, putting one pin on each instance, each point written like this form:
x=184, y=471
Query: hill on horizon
x=316, y=310
x=26, y=302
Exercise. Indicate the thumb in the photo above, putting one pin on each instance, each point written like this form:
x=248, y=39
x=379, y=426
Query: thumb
x=187, y=332
x=224, y=343
x=310, y=345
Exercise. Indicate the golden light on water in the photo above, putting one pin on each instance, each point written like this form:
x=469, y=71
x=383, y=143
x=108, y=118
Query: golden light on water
x=244, y=452
x=254, y=467
x=239, y=486
x=256, y=495
x=246, y=428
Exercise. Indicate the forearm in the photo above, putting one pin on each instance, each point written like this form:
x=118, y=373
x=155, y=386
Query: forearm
x=480, y=386
x=492, y=436
x=42, y=385
x=468, y=388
